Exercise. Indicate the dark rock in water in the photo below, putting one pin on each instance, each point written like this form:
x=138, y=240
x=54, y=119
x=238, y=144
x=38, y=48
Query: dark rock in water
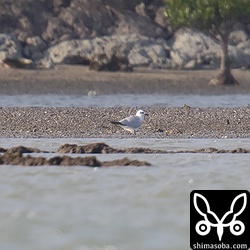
x=33, y=161
x=216, y=151
x=90, y=161
x=142, y=151
x=18, y=159
x=240, y=151
x=23, y=150
x=11, y=159
x=70, y=149
x=14, y=156
x=206, y=150
x=102, y=148
x=3, y=150
x=94, y=148
x=125, y=162
x=54, y=161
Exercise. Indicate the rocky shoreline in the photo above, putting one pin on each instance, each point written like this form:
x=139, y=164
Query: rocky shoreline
x=187, y=49
x=183, y=122
x=109, y=35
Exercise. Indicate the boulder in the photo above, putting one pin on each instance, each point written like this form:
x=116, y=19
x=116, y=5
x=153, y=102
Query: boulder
x=71, y=52
x=9, y=47
x=34, y=47
x=131, y=23
x=112, y=53
x=44, y=62
x=11, y=53
x=139, y=58
x=193, y=49
x=57, y=20
x=240, y=55
x=236, y=37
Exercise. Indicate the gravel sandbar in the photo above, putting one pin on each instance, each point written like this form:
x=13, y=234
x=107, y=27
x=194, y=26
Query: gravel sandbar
x=183, y=122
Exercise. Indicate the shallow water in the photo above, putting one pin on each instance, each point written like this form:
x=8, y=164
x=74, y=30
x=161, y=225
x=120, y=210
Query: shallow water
x=117, y=207
x=126, y=100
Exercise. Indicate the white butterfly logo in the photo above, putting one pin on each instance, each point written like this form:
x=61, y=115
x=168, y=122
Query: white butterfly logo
x=203, y=227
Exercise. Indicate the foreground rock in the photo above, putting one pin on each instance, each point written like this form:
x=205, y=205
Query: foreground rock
x=21, y=150
x=95, y=148
x=102, y=148
x=91, y=161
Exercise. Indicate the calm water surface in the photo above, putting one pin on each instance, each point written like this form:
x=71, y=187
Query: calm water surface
x=126, y=100
x=117, y=207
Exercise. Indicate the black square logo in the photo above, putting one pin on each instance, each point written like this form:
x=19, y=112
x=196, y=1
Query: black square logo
x=220, y=219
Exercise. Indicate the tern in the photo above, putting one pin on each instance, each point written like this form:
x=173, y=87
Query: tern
x=132, y=122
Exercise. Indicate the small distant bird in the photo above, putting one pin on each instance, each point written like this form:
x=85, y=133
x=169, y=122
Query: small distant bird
x=132, y=122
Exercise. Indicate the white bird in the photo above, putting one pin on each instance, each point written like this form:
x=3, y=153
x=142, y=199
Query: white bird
x=132, y=122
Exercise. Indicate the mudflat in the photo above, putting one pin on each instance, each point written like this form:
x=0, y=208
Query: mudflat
x=68, y=79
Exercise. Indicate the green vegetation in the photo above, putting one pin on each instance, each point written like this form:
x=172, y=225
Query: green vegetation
x=214, y=17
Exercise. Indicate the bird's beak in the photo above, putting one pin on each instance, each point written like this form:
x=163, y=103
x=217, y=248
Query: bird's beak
x=146, y=114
